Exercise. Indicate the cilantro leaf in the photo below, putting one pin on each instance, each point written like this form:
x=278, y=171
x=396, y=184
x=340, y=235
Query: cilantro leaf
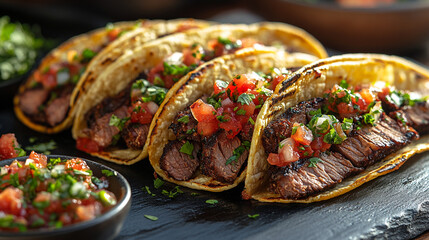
x=245, y=98
x=314, y=161
x=187, y=148
x=118, y=122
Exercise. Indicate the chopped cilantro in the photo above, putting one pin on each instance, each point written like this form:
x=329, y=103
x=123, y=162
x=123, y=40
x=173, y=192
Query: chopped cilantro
x=314, y=161
x=108, y=173
x=43, y=147
x=237, y=152
x=187, y=148
x=146, y=189
x=344, y=84
x=118, y=122
x=245, y=98
x=173, y=193
x=150, y=217
x=251, y=121
x=150, y=92
x=241, y=112
x=254, y=216
x=157, y=183
x=212, y=201
x=184, y=119
x=87, y=55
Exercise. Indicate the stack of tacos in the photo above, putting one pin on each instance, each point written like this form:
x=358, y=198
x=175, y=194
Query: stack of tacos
x=113, y=121
x=47, y=101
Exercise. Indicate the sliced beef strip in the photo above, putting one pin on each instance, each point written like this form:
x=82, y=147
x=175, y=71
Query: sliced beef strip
x=32, y=99
x=108, y=105
x=246, y=133
x=281, y=128
x=57, y=109
x=416, y=116
x=135, y=134
x=304, y=181
x=101, y=132
x=370, y=144
x=178, y=165
x=187, y=130
x=217, y=149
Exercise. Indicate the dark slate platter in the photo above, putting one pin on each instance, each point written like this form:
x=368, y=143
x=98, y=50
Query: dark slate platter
x=395, y=206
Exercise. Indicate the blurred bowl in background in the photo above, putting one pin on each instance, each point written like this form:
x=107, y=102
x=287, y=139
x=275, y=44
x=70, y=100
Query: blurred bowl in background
x=387, y=28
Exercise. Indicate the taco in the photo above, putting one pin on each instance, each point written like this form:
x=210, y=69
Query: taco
x=46, y=102
x=114, y=126
x=203, y=130
x=334, y=125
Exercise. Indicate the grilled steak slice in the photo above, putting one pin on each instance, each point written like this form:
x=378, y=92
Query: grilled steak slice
x=32, y=99
x=57, y=109
x=370, y=144
x=186, y=128
x=101, y=132
x=135, y=134
x=108, y=105
x=281, y=128
x=304, y=180
x=246, y=133
x=416, y=116
x=217, y=149
x=178, y=165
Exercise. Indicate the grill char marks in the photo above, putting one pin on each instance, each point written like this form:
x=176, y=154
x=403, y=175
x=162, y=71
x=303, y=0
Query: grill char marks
x=179, y=166
x=281, y=128
x=217, y=149
x=303, y=181
x=371, y=144
x=185, y=130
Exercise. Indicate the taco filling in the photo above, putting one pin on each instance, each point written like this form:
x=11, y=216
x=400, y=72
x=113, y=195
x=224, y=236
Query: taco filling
x=318, y=143
x=123, y=120
x=46, y=101
x=213, y=135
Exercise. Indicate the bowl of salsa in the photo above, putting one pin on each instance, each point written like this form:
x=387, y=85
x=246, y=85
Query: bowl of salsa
x=61, y=197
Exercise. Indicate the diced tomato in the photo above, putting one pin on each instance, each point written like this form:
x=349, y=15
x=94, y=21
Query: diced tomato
x=367, y=96
x=76, y=164
x=11, y=200
x=384, y=92
x=302, y=135
x=345, y=110
x=140, y=112
x=304, y=151
x=202, y=111
x=275, y=81
x=157, y=77
x=207, y=128
x=360, y=102
x=87, y=145
x=88, y=212
x=247, y=109
x=240, y=84
x=8, y=143
x=287, y=152
x=248, y=42
x=113, y=34
x=193, y=55
x=217, y=89
x=231, y=126
x=39, y=160
x=47, y=79
x=319, y=145
x=274, y=159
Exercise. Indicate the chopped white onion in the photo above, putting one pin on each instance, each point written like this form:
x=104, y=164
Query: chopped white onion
x=62, y=77
x=175, y=58
x=152, y=107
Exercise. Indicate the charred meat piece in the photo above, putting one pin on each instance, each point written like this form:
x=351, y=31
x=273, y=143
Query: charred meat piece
x=416, y=116
x=108, y=105
x=246, y=133
x=217, y=149
x=101, y=132
x=184, y=126
x=305, y=180
x=372, y=143
x=135, y=134
x=281, y=128
x=32, y=99
x=179, y=165
x=57, y=109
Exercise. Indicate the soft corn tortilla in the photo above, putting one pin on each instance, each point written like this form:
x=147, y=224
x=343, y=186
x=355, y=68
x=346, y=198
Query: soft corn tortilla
x=200, y=83
x=135, y=33
x=310, y=82
x=140, y=59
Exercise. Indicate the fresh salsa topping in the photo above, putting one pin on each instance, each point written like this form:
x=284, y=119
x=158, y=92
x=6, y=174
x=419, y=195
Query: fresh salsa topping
x=177, y=65
x=9, y=147
x=347, y=109
x=233, y=105
x=43, y=192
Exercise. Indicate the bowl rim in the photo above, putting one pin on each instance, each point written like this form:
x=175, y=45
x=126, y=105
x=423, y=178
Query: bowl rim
x=121, y=204
x=388, y=8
